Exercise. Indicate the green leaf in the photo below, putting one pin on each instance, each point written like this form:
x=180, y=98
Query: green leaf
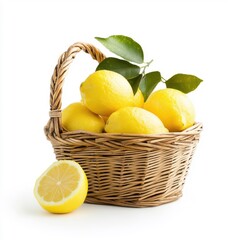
x=122, y=67
x=183, y=82
x=134, y=82
x=149, y=82
x=124, y=47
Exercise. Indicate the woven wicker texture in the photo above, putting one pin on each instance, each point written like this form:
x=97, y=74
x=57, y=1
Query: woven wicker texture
x=122, y=169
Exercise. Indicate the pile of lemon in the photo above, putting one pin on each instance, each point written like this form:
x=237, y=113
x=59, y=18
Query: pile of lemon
x=109, y=105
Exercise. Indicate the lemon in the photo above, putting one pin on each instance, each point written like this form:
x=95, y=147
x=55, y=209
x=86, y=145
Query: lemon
x=138, y=98
x=134, y=120
x=78, y=117
x=104, y=92
x=105, y=118
x=173, y=107
x=62, y=188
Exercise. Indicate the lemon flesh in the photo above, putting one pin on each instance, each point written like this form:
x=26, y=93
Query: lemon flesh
x=104, y=92
x=78, y=117
x=173, y=107
x=134, y=120
x=62, y=188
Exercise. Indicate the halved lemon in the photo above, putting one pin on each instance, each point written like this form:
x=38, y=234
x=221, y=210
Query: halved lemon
x=62, y=188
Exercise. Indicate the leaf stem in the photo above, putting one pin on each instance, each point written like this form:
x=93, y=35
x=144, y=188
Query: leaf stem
x=163, y=79
x=145, y=65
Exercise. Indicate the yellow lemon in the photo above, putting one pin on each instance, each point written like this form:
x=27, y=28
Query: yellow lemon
x=104, y=92
x=138, y=99
x=173, y=107
x=76, y=116
x=62, y=187
x=134, y=120
x=105, y=118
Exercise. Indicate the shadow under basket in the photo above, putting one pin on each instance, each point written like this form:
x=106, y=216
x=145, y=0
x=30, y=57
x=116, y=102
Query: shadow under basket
x=122, y=169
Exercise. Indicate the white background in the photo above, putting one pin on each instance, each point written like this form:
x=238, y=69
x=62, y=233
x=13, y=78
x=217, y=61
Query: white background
x=195, y=37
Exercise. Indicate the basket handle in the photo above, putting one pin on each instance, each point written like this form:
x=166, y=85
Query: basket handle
x=53, y=127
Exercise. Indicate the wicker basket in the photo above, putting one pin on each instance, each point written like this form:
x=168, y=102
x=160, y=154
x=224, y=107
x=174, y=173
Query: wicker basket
x=122, y=169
